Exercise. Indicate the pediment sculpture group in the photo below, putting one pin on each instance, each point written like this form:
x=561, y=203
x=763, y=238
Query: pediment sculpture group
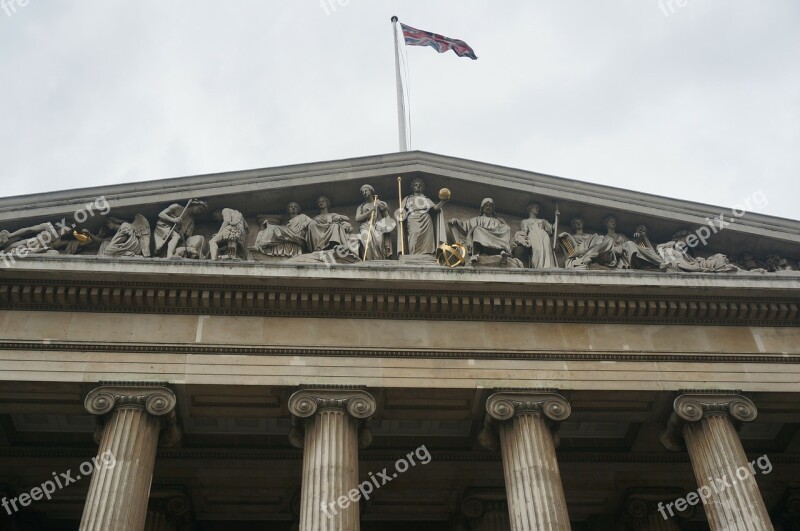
x=485, y=240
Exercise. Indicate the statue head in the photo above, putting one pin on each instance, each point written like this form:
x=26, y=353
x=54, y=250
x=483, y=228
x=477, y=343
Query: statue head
x=367, y=191
x=417, y=185
x=114, y=223
x=487, y=207
x=323, y=202
x=610, y=223
x=576, y=224
x=533, y=208
x=196, y=206
x=680, y=235
x=293, y=208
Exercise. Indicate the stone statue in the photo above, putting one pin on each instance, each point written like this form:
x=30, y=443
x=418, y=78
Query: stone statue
x=677, y=254
x=583, y=249
x=130, y=239
x=629, y=254
x=484, y=234
x=532, y=244
x=378, y=238
x=423, y=221
x=327, y=230
x=284, y=241
x=44, y=239
x=233, y=233
x=175, y=225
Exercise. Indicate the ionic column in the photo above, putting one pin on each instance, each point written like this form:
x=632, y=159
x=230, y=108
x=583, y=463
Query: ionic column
x=120, y=487
x=707, y=424
x=533, y=482
x=486, y=511
x=329, y=495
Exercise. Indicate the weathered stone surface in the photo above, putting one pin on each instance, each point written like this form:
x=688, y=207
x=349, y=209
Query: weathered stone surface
x=119, y=493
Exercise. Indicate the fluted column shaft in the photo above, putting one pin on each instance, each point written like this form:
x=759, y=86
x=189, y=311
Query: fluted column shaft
x=330, y=456
x=716, y=453
x=727, y=488
x=534, y=491
x=118, y=494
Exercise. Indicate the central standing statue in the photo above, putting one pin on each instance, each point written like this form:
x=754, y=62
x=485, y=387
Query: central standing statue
x=424, y=221
x=483, y=234
x=533, y=244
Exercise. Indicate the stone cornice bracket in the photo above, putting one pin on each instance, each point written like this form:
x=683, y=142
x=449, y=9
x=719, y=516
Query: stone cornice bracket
x=305, y=403
x=693, y=407
x=158, y=401
x=505, y=405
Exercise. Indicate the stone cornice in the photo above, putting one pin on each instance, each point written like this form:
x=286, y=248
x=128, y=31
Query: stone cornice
x=394, y=292
x=532, y=355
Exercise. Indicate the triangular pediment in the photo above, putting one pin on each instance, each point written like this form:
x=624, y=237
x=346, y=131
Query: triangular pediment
x=268, y=191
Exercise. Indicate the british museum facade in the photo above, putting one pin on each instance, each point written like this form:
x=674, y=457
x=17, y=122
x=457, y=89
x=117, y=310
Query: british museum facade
x=407, y=341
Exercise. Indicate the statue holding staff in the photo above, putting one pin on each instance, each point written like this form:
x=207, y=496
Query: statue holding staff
x=423, y=220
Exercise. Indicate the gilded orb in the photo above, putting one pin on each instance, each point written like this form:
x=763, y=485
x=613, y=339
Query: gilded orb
x=444, y=194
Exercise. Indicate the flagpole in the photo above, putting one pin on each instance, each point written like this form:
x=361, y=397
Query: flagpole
x=401, y=102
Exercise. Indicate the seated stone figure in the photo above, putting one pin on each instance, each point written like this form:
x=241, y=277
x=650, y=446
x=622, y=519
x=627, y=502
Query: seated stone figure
x=678, y=255
x=532, y=244
x=485, y=235
x=327, y=230
x=583, y=249
x=130, y=239
x=630, y=254
x=284, y=241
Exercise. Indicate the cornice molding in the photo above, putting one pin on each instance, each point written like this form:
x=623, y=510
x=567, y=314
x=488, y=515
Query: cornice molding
x=465, y=304
x=533, y=355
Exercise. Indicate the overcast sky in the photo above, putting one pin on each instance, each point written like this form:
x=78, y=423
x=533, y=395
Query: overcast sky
x=699, y=102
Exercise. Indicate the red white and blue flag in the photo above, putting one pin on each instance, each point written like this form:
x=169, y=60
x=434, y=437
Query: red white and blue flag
x=440, y=43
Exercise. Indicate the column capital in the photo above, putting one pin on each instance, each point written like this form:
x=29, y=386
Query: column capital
x=156, y=400
x=356, y=402
x=478, y=502
x=692, y=407
x=505, y=405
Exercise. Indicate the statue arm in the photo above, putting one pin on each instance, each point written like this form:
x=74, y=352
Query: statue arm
x=167, y=215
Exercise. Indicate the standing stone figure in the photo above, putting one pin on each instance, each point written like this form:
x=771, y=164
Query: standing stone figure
x=629, y=254
x=378, y=238
x=678, y=255
x=327, y=230
x=583, y=249
x=424, y=221
x=130, y=239
x=533, y=244
x=233, y=232
x=483, y=234
x=182, y=218
x=284, y=241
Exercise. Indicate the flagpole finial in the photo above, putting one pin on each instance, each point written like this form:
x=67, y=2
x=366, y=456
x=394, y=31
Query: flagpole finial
x=394, y=19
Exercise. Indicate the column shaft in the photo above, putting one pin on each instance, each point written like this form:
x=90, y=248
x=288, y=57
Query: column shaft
x=118, y=495
x=533, y=481
x=330, y=471
x=733, y=504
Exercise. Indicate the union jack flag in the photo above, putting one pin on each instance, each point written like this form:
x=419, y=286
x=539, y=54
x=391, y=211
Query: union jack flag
x=440, y=43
